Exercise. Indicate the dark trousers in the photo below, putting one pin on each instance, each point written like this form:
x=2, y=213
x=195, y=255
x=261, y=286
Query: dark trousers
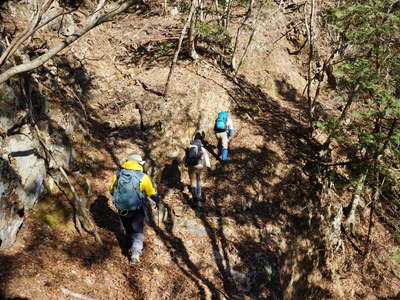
x=133, y=223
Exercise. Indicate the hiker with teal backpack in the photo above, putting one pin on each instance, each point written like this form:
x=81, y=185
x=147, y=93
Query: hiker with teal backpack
x=196, y=160
x=223, y=131
x=130, y=187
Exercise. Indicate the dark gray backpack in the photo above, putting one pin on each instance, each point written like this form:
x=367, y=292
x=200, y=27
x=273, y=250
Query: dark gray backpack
x=194, y=153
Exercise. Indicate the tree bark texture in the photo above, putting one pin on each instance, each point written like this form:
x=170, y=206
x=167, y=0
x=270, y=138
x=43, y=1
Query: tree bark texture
x=309, y=26
x=351, y=220
x=192, y=33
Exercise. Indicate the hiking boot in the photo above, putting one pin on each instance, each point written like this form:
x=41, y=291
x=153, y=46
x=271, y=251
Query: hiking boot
x=135, y=259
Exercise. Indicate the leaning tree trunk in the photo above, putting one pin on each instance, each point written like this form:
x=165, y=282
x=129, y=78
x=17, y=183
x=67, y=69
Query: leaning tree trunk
x=192, y=33
x=351, y=221
x=238, y=33
x=255, y=24
x=40, y=60
x=178, y=48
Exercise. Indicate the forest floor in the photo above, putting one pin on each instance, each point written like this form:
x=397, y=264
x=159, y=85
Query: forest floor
x=254, y=217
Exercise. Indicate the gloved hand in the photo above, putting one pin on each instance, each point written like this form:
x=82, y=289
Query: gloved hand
x=185, y=161
x=156, y=198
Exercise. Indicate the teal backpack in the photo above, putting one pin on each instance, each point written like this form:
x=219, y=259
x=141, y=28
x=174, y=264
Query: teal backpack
x=220, y=122
x=127, y=195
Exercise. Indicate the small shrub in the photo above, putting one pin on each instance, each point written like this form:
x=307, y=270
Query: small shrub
x=213, y=33
x=163, y=49
x=183, y=7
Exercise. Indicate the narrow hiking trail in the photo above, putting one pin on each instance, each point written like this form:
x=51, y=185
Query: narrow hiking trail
x=204, y=251
x=226, y=249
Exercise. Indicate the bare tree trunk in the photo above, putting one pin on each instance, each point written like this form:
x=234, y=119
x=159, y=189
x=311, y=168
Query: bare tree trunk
x=309, y=27
x=201, y=10
x=371, y=214
x=350, y=221
x=238, y=33
x=216, y=6
x=225, y=18
x=165, y=7
x=250, y=39
x=99, y=7
x=67, y=41
x=178, y=48
x=343, y=115
x=192, y=34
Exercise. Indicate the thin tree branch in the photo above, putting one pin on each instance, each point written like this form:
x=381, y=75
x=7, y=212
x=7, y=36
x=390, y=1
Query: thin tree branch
x=309, y=27
x=250, y=39
x=239, y=30
x=99, y=7
x=45, y=22
x=29, y=31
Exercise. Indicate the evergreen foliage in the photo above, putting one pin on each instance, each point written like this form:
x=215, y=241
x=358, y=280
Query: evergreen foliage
x=368, y=73
x=213, y=33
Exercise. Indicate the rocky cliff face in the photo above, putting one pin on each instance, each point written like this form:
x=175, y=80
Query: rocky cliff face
x=24, y=162
x=22, y=168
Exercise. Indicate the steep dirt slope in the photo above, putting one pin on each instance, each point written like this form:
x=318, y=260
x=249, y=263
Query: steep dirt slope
x=250, y=240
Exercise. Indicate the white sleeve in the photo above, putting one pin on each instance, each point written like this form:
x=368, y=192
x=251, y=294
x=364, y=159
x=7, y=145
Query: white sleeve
x=229, y=124
x=206, y=158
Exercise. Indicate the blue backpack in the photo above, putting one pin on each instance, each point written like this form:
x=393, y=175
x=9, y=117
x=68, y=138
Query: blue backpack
x=127, y=194
x=220, y=122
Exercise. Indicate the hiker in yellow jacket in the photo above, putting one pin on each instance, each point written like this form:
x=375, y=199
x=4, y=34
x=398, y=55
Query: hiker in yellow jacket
x=130, y=187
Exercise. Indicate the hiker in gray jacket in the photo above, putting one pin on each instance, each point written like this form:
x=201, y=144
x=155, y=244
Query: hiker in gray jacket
x=196, y=160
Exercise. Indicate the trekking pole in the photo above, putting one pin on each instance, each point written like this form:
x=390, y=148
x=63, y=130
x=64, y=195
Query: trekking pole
x=158, y=215
x=158, y=221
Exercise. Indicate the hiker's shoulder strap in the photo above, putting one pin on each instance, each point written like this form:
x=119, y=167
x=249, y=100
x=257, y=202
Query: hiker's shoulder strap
x=196, y=143
x=113, y=182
